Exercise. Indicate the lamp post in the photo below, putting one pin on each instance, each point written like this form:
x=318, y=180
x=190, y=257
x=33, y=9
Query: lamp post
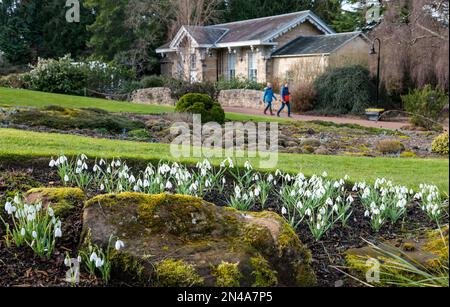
x=373, y=52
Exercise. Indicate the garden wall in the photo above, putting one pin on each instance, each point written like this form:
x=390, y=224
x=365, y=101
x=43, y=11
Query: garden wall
x=156, y=95
x=227, y=98
x=241, y=98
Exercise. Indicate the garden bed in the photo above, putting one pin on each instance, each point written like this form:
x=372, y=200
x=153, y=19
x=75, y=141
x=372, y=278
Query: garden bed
x=22, y=268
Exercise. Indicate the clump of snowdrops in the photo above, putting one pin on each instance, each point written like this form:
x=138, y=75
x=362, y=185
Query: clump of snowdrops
x=318, y=201
x=31, y=225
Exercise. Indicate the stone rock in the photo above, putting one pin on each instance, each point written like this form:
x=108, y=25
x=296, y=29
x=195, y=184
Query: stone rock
x=173, y=240
x=63, y=201
x=241, y=98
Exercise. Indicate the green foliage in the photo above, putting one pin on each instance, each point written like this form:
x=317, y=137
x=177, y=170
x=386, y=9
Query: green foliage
x=201, y=104
x=31, y=29
x=64, y=76
x=180, y=88
x=440, y=144
x=425, y=105
x=238, y=83
x=66, y=119
x=139, y=134
x=344, y=90
x=227, y=275
x=177, y=273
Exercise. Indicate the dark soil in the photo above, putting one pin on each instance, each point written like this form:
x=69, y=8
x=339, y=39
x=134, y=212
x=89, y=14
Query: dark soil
x=20, y=268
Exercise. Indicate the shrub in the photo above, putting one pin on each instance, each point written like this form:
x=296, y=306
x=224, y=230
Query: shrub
x=303, y=97
x=64, y=76
x=239, y=83
x=55, y=117
x=179, y=88
x=15, y=81
x=152, y=81
x=390, y=147
x=425, y=106
x=440, y=144
x=201, y=104
x=139, y=134
x=344, y=90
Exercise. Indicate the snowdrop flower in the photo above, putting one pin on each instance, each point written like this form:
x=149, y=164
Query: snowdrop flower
x=367, y=213
x=22, y=232
x=300, y=205
x=96, y=168
x=93, y=257
x=283, y=211
x=350, y=199
x=308, y=212
x=102, y=187
x=169, y=185
x=58, y=233
x=50, y=212
x=99, y=263
x=119, y=245
x=16, y=199
x=66, y=178
x=52, y=163
x=34, y=234
x=324, y=174
x=248, y=166
x=102, y=162
x=270, y=178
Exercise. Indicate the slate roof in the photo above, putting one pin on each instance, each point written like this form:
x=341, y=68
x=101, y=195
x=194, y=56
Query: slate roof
x=257, y=31
x=319, y=44
x=206, y=35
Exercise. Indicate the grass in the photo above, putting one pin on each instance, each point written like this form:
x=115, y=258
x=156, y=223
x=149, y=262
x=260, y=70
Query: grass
x=27, y=98
x=17, y=144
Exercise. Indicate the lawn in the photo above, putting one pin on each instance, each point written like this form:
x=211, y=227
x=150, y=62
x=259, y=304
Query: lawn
x=26, y=98
x=17, y=144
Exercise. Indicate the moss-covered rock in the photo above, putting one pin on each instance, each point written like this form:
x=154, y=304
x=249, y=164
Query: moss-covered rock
x=223, y=246
x=63, y=201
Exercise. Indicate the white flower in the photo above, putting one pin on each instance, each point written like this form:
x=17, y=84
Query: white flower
x=52, y=163
x=58, y=233
x=169, y=185
x=367, y=213
x=93, y=257
x=66, y=178
x=119, y=245
x=34, y=234
x=283, y=211
x=102, y=187
x=22, y=232
x=99, y=263
x=50, y=212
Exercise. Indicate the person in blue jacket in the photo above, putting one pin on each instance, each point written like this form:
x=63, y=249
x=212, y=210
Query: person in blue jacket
x=285, y=99
x=268, y=97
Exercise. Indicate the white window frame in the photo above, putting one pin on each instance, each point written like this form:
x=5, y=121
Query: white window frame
x=252, y=66
x=231, y=62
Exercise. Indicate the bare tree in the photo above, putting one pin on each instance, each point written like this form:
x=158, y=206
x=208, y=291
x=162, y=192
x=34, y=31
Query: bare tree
x=415, y=38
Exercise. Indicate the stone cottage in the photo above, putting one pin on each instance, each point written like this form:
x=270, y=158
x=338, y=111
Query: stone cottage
x=297, y=45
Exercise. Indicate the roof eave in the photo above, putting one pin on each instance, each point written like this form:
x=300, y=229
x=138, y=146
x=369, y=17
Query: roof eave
x=301, y=55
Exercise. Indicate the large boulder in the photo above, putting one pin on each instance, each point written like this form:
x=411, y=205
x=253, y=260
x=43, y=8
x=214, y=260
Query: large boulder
x=173, y=240
x=63, y=201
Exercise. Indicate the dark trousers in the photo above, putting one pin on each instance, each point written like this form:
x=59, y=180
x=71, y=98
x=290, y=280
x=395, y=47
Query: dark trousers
x=269, y=107
x=288, y=104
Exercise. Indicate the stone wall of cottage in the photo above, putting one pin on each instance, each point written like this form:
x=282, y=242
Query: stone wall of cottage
x=156, y=95
x=299, y=69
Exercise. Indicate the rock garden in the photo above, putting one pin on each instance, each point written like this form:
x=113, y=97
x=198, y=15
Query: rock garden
x=97, y=222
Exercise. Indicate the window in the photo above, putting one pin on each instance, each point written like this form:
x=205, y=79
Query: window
x=252, y=67
x=193, y=61
x=231, y=66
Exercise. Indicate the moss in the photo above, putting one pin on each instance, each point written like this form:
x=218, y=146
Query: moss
x=176, y=273
x=408, y=154
x=438, y=244
x=62, y=200
x=15, y=182
x=124, y=263
x=408, y=247
x=227, y=275
x=264, y=275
